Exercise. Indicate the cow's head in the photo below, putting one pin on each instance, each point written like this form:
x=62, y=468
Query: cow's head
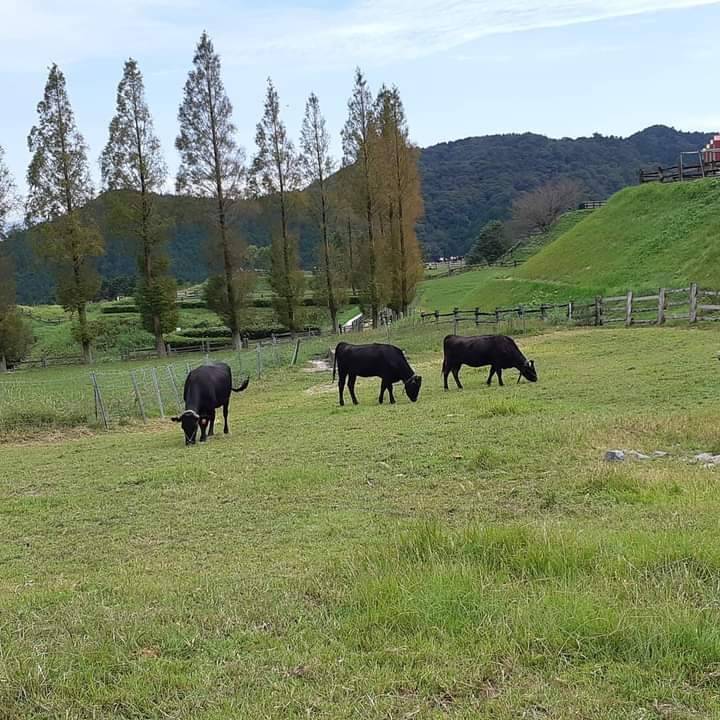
x=528, y=371
x=190, y=421
x=412, y=387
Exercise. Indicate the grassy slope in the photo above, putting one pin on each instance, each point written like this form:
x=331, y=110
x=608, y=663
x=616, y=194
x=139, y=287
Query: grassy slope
x=469, y=555
x=646, y=237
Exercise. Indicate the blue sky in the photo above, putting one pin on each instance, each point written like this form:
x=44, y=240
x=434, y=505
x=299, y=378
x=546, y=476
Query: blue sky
x=560, y=67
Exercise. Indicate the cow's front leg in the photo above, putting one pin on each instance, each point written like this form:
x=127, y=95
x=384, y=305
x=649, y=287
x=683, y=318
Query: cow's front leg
x=203, y=429
x=211, y=429
x=226, y=407
x=351, y=388
x=499, y=374
x=341, y=387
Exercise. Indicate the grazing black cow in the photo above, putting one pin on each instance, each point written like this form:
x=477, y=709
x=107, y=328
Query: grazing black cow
x=498, y=351
x=377, y=360
x=206, y=389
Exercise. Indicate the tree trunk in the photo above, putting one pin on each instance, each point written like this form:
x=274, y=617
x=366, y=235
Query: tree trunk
x=3, y=364
x=86, y=347
x=237, y=340
x=160, y=347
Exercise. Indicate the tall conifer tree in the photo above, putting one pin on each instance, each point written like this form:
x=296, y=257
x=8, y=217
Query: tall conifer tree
x=276, y=173
x=133, y=166
x=212, y=166
x=59, y=187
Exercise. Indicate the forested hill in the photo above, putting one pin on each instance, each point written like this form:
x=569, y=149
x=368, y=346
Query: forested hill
x=468, y=182
x=465, y=184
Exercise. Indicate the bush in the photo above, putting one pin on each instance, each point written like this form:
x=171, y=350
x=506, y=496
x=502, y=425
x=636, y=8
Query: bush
x=118, y=308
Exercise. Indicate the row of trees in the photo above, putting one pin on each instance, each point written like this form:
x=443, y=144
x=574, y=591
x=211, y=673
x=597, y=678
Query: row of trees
x=366, y=213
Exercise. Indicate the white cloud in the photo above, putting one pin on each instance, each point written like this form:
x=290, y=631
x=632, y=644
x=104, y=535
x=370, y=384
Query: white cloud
x=367, y=31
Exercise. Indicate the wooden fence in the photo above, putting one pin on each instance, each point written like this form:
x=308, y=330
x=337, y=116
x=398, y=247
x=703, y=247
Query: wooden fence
x=690, y=304
x=680, y=172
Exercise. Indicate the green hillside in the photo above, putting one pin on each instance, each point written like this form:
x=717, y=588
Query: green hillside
x=644, y=238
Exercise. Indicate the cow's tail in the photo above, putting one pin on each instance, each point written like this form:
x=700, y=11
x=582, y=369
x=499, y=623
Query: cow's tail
x=243, y=385
x=335, y=364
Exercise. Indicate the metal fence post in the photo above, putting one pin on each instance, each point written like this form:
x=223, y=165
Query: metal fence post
x=153, y=373
x=138, y=396
x=258, y=352
x=693, y=302
x=296, y=352
x=173, y=382
x=99, y=401
x=570, y=311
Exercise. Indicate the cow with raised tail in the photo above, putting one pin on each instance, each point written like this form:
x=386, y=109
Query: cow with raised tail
x=377, y=360
x=206, y=388
x=500, y=352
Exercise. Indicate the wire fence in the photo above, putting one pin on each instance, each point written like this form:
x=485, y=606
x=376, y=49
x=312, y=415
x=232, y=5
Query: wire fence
x=108, y=397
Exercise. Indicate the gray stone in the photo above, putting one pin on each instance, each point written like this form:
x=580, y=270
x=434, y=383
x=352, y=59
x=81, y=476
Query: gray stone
x=614, y=456
x=635, y=455
x=705, y=458
x=660, y=454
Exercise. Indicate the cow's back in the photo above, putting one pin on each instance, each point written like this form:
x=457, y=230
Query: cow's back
x=479, y=350
x=208, y=386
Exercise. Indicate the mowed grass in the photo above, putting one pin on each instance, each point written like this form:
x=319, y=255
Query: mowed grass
x=467, y=556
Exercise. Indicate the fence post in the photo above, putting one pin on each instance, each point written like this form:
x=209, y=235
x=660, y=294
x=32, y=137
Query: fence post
x=99, y=401
x=628, y=309
x=570, y=311
x=497, y=320
x=456, y=311
x=171, y=375
x=693, y=302
x=521, y=313
x=598, y=310
x=437, y=316
x=258, y=357
x=138, y=396
x=477, y=316
x=296, y=352
x=274, y=348
x=661, y=306
x=154, y=376
x=542, y=311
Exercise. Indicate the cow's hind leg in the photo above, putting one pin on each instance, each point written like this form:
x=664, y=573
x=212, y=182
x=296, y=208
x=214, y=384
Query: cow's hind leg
x=226, y=407
x=341, y=387
x=445, y=373
x=499, y=374
x=490, y=376
x=456, y=375
x=351, y=388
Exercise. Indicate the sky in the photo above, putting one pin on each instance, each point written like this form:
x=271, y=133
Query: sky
x=563, y=68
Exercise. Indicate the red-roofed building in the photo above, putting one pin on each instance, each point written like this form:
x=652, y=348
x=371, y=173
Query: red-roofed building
x=711, y=152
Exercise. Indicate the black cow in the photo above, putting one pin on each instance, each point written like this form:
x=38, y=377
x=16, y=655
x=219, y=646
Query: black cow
x=498, y=351
x=377, y=360
x=206, y=389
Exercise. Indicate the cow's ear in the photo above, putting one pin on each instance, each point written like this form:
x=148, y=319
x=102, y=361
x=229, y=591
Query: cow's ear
x=175, y=419
x=532, y=363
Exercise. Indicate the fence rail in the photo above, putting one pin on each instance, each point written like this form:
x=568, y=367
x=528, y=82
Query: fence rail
x=680, y=172
x=692, y=304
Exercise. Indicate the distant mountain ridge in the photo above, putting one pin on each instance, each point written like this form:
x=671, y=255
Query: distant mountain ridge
x=468, y=182
x=465, y=184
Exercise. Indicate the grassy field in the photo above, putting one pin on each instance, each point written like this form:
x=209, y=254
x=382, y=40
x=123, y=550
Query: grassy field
x=468, y=556
x=645, y=237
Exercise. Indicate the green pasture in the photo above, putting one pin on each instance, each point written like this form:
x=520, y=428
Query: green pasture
x=468, y=556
